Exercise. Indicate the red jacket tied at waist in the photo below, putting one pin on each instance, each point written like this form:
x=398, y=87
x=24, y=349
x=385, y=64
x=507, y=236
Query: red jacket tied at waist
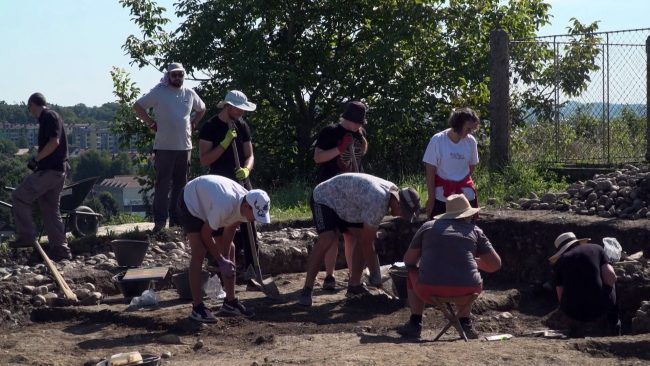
x=450, y=187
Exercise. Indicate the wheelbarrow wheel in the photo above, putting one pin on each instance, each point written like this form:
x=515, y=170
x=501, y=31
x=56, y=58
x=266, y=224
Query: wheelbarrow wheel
x=83, y=225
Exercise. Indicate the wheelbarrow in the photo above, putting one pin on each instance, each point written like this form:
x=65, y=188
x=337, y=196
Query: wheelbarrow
x=80, y=220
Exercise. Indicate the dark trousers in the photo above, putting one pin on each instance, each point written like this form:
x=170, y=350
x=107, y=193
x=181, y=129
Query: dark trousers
x=44, y=186
x=241, y=241
x=171, y=176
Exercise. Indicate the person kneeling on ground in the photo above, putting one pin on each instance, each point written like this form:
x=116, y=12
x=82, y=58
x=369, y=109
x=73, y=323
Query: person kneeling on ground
x=445, y=257
x=347, y=199
x=211, y=209
x=585, y=283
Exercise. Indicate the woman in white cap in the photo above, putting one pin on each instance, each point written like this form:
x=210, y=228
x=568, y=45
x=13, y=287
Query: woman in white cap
x=584, y=283
x=210, y=203
x=445, y=257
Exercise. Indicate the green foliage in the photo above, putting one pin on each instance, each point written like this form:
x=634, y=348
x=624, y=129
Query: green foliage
x=130, y=130
x=109, y=204
x=102, y=164
x=80, y=113
x=7, y=147
x=124, y=218
x=411, y=61
x=515, y=181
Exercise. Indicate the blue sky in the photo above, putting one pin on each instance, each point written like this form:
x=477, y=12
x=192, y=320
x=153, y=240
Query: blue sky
x=66, y=48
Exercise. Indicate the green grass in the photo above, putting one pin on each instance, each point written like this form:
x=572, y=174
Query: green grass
x=516, y=181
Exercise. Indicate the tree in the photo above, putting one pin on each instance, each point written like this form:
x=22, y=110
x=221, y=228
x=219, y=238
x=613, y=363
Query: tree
x=411, y=61
x=109, y=204
x=7, y=147
x=100, y=163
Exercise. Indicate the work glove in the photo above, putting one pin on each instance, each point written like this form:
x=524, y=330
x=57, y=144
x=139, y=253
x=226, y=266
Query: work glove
x=242, y=173
x=227, y=268
x=32, y=164
x=345, y=142
x=230, y=135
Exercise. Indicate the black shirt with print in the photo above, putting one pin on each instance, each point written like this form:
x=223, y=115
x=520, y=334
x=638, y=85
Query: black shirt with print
x=215, y=131
x=329, y=138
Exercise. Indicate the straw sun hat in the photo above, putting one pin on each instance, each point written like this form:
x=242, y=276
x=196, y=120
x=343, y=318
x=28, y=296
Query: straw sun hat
x=458, y=207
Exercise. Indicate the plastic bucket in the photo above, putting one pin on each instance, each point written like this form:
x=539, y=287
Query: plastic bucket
x=147, y=360
x=130, y=288
x=181, y=282
x=129, y=253
x=398, y=276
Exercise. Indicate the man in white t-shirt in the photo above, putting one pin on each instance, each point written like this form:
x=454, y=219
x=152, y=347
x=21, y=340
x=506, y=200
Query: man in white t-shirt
x=211, y=208
x=172, y=105
x=450, y=159
x=340, y=204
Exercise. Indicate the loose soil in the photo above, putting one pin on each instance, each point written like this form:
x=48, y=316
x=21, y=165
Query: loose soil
x=334, y=331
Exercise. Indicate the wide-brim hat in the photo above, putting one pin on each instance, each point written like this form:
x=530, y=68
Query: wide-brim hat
x=563, y=242
x=458, y=207
x=237, y=99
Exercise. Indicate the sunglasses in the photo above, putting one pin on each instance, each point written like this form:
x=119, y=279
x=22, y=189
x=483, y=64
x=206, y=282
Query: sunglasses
x=177, y=74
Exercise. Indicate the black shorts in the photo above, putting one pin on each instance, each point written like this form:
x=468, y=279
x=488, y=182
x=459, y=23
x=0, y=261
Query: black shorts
x=326, y=219
x=191, y=223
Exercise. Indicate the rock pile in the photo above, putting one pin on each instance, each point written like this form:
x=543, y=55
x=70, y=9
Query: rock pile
x=624, y=194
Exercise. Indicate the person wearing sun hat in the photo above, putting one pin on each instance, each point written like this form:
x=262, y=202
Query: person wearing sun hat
x=359, y=199
x=334, y=150
x=445, y=257
x=216, y=138
x=209, y=203
x=172, y=122
x=584, y=283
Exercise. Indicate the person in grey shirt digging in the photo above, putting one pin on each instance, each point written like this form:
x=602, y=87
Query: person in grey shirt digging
x=353, y=198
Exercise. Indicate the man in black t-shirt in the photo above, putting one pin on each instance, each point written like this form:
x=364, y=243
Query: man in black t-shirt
x=585, y=283
x=44, y=184
x=215, y=150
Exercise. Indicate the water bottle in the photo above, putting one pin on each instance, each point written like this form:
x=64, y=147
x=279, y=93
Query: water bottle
x=213, y=288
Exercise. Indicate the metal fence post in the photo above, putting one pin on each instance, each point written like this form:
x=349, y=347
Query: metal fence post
x=647, y=104
x=499, y=99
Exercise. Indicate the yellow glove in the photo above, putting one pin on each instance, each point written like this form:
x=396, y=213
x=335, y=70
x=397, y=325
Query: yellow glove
x=230, y=135
x=242, y=173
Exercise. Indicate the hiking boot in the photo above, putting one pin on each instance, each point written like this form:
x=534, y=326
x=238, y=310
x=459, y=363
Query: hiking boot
x=358, y=290
x=468, y=328
x=158, y=227
x=235, y=307
x=305, y=297
x=21, y=243
x=201, y=314
x=329, y=283
x=410, y=330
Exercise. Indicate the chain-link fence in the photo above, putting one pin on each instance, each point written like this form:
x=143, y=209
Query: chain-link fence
x=598, y=120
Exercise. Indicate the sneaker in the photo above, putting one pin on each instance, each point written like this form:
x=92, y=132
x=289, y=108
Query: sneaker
x=329, y=283
x=235, y=307
x=410, y=330
x=358, y=290
x=305, y=297
x=468, y=328
x=202, y=314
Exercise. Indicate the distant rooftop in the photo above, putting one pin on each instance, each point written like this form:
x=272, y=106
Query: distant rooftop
x=121, y=181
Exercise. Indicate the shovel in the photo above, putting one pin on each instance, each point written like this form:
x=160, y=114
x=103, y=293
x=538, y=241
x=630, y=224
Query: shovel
x=268, y=285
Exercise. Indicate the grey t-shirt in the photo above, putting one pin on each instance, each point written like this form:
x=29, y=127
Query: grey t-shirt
x=172, y=108
x=356, y=197
x=448, y=251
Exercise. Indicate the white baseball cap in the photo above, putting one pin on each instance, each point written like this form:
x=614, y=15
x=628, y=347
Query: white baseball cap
x=237, y=99
x=260, y=202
